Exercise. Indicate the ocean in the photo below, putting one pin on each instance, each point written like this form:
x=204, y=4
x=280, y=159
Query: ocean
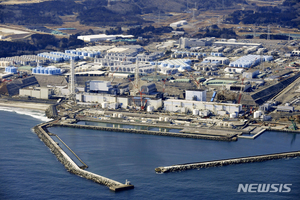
x=28, y=169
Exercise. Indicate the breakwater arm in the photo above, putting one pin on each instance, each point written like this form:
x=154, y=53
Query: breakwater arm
x=71, y=166
x=216, y=163
x=183, y=135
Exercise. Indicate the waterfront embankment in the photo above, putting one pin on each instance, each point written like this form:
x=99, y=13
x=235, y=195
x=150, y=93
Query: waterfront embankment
x=182, y=135
x=26, y=105
x=232, y=161
x=70, y=165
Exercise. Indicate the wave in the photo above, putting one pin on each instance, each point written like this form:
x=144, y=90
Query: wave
x=40, y=115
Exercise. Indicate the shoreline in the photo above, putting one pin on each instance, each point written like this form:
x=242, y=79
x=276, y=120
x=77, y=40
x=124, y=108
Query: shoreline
x=26, y=105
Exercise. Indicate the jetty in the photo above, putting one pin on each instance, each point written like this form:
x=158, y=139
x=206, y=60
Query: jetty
x=43, y=133
x=231, y=161
x=229, y=137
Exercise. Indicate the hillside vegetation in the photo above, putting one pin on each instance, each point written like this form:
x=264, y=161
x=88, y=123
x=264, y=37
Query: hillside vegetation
x=96, y=12
x=287, y=14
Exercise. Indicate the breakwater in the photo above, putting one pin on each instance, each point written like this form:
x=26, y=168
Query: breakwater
x=70, y=165
x=183, y=135
x=216, y=163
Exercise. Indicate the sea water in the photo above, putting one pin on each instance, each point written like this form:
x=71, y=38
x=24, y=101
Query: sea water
x=28, y=169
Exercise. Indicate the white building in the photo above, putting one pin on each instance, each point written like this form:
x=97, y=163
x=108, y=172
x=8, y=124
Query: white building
x=184, y=106
x=194, y=42
x=39, y=93
x=251, y=73
x=101, y=37
x=221, y=60
x=178, y=23
x=234, y=70
x=195, y=95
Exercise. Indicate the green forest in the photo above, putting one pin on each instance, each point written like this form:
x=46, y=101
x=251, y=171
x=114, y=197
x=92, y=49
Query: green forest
x=37, y=43
x=286, y=14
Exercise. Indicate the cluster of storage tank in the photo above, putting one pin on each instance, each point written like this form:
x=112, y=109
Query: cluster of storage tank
x=203, y=113
x=110, y=105
x=180, y=64
x=216, y=54
x=118, y=115
x=225, y=124
x=81, y=53
x=46, y=70
x=188, y=54
x=250, y=60
x=11, y=69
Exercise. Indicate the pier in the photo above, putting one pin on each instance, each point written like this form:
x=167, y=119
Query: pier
x=232, y=161
x=231, y=137
x=70, y=165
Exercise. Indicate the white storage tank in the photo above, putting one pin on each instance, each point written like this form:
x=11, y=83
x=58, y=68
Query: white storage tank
x=195, y=112
x=115, y=115
x=150, y=108
x=104, y=105
x=161, y=119
x=233, y=115
x=120, y=115
x=167, y=119
x=257, y=114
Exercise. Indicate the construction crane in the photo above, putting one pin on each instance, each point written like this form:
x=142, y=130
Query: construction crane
x=164, y=81
x=241, y=92
x=141, y=96
x=197, y=82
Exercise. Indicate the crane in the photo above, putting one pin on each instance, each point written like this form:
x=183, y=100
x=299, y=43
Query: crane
x=240, y=94
x=141, y=96
x=197, y=82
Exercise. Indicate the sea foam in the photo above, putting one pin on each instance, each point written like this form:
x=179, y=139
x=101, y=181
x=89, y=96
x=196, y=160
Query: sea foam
x=40, y=115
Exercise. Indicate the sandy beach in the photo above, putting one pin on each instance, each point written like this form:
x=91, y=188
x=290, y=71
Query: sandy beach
x=27, y=105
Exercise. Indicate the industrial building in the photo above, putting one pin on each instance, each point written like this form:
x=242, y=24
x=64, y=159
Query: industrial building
x=113, y=102
x=51, y=70
x=218, y=82
x=250, y=60
x=11, y=69
x=101, y=37
x=105, y=87
x=130, y=68
x=192, y=42
x=217, y=60
x=174, y=65
x=185, y=106
x=36, y=92
x=5, y=63
x=178, y=23
x=195, y=95
x=251, y=73
x=235, y=44
x=234, y=70
x=149, y=89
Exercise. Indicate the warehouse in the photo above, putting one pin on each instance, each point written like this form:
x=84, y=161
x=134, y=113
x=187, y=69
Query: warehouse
x=192, y=42
x=101, y=37
x=220, y=60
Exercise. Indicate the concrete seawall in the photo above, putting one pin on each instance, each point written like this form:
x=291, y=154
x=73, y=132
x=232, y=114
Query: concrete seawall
x=216, y=163
x=183, y=135
x=71, y=166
